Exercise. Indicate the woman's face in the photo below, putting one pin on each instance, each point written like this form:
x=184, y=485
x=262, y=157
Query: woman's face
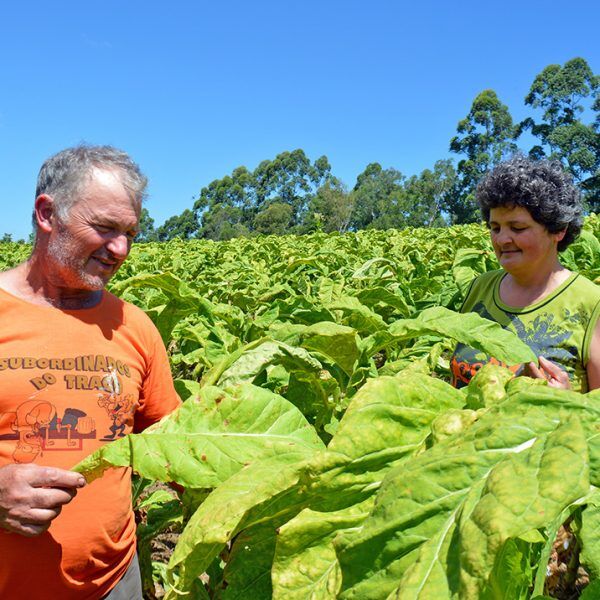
x=522, y=245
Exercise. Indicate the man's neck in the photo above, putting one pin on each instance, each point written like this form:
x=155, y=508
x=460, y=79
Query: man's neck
x=25, y=282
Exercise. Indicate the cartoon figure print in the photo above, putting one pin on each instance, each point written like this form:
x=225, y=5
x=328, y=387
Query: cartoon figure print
x=119, y=407
x=36, y=427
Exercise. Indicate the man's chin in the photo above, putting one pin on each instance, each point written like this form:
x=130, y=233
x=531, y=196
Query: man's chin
x=93, y=283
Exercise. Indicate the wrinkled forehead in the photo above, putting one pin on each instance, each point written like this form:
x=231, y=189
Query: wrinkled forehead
x=100, y=180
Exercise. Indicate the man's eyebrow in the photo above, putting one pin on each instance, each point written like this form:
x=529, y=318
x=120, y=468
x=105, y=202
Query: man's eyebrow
x=108, y=222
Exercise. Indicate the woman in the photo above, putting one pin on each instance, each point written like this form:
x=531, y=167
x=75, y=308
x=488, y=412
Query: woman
x=533, y=211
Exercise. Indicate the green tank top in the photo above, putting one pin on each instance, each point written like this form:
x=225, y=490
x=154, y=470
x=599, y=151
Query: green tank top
x=559, y=327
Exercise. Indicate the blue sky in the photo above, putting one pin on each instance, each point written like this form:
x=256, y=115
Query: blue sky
x=194, y=89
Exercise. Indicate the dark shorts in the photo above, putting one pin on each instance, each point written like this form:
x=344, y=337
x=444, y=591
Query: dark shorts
x=129, y=586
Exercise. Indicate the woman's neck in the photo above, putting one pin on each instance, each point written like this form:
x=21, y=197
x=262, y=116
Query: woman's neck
x=521, y=290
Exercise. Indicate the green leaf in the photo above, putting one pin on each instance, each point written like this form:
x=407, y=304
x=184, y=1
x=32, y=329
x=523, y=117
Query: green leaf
x=380, y=295
x=590, y=536
x=336, y=342
x=510, y=578
x=209, y=438
x=452, y=422
x=358, y=316
x=468, y=328
x=591, y=591
x=305, y=563
x=488, y=387
x=422, y=500
x=523, y=492
x=255, y=360
x=248, y=570
x=225, y=512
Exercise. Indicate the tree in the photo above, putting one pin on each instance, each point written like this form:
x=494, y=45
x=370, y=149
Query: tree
x=379, y=199
x=289, y=179
x=183, y=226
x=274, y=220
x=486, y=136
x=430, y=194
x=331, y=208
x=563, y=94
x=146, y=231
x=223, y=222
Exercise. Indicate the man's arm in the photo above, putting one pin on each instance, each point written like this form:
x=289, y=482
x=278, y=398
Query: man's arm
x=32, y=496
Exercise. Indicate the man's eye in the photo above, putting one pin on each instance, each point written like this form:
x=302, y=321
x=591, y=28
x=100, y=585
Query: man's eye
x=519, y=229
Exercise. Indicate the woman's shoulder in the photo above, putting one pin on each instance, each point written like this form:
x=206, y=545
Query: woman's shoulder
x=583, y=285
x=485, y=280
x=481, y=286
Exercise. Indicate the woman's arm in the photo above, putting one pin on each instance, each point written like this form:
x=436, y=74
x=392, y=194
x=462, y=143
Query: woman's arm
x=593, y=366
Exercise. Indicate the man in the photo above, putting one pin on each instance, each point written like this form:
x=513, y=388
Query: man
x=78, y=367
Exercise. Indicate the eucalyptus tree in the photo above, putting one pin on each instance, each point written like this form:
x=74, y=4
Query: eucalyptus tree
x=485, y=137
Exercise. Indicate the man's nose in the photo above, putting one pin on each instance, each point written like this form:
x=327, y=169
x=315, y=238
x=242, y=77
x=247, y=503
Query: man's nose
x=119, y=245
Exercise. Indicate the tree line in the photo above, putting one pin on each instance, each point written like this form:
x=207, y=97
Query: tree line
x=292, y=194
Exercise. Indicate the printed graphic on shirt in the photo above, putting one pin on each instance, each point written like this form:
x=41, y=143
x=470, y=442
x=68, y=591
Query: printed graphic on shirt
x=36, y=425
x=543, y=335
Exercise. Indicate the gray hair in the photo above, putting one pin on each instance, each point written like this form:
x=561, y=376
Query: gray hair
x=542, y=187
x=64, y=175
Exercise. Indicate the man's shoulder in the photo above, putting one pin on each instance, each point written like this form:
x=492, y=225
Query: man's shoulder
x=133, y=315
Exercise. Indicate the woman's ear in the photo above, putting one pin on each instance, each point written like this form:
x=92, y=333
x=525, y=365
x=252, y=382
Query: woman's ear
x=559, y=235
x=44, y=212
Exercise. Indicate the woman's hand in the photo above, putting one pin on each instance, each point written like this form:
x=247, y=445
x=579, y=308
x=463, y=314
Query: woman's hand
x=552, y=373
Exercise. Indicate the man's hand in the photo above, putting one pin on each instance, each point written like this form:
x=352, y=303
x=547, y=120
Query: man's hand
x=552, y=373
x=32, y=496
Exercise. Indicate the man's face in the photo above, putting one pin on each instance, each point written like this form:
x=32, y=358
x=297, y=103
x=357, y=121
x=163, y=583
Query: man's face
x=88, y=247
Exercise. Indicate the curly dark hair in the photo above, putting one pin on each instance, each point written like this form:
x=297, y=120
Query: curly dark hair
x=540, y=186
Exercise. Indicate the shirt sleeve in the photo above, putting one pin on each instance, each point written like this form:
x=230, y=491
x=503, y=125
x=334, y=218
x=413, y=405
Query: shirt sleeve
x=158, y=397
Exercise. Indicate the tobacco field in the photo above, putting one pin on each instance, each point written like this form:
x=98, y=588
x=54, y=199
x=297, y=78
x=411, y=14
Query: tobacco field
x=321, y=450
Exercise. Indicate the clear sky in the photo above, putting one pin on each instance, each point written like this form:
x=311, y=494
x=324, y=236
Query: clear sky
x=193, y=89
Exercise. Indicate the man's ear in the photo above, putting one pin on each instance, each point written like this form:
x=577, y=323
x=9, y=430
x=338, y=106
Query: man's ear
x=44, y=212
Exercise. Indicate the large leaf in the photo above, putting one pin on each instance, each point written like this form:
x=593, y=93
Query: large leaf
x=305, y=563
x=210, y=438
x=336, y=342
x=590, y=536
x=226, y=512
x=247, y=364
x=468, y=328
x=357, y=315
x=423, y=500
x=523, y=492
x=388, y=420
x=248, y=569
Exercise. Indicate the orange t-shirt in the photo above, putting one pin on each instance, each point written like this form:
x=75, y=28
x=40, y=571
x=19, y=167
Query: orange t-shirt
x=70, y=382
